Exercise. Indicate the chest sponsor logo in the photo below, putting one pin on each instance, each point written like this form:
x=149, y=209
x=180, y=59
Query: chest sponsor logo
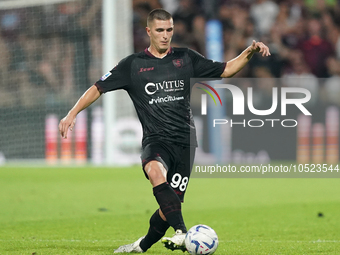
x=165, y=99
x=178, y=63
x=166, y=86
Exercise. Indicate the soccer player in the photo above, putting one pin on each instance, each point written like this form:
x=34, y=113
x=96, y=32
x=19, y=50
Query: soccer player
x=158, y=83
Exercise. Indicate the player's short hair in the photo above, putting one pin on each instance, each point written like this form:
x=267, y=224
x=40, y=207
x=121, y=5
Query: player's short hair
x=159, y=14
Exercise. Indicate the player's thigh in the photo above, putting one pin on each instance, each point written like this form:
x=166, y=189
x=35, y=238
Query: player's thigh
x=156, y=152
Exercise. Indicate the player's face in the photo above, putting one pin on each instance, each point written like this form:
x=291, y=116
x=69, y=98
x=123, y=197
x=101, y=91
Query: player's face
x=160, y=33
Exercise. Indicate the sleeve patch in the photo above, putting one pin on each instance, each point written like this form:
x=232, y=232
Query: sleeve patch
x=105, y=76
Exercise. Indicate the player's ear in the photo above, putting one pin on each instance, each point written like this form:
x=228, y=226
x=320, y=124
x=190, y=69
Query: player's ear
x=148, y=31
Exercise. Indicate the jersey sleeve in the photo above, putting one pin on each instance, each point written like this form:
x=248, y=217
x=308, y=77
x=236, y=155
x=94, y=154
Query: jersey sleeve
x=206, y=68
x=117, y=78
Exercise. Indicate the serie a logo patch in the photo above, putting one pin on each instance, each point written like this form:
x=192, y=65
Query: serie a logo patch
x=104, y=77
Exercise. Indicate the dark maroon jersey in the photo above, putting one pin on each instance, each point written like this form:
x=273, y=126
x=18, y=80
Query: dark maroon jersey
x=160, y=91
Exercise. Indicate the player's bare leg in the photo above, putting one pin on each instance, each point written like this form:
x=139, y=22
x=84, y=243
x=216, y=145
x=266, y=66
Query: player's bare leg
x=161, y=220
x=156, y=172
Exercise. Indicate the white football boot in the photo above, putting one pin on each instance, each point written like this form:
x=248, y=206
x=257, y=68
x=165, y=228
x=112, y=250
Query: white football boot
x=130, y=248
x=176, y=242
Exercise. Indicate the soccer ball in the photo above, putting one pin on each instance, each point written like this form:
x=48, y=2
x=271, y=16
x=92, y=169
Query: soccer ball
x=201, y=239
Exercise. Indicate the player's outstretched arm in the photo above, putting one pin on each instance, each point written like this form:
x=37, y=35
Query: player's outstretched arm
x=235, y=65
x=68, y=122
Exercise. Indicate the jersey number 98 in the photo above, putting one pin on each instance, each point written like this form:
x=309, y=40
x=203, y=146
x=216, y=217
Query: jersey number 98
x=178, y=182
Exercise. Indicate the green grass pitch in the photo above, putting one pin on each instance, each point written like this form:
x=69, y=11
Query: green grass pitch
x=89, y=210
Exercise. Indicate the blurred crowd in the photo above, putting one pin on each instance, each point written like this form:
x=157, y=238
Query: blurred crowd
x=50, y=53
x=56, y=49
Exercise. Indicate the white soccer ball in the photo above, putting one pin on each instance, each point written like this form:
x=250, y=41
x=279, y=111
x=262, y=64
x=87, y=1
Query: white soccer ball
x=201, y=239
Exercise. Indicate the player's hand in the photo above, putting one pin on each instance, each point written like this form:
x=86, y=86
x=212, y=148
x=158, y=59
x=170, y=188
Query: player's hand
x=65, y=124
x=260, y=47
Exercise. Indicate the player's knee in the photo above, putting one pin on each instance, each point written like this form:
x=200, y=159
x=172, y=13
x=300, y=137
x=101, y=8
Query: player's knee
x=155, y=172
x=156, y=177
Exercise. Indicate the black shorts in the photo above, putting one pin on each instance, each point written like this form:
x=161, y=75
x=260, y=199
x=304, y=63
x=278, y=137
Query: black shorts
x=176, y=159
